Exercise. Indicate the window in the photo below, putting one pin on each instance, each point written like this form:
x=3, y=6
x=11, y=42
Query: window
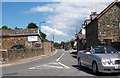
x=119, y=24
x=38, y=44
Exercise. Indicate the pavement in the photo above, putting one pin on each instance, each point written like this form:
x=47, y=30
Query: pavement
x=26, y=60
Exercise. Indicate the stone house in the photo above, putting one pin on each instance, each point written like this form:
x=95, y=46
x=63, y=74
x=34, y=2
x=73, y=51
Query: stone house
x=104, y=28
x=81, y=39
x=27, y=37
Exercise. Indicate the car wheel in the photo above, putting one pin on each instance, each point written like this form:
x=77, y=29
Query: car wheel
x=94, y=68
x=79, y=62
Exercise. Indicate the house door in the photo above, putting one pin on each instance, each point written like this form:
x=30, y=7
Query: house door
x=108, y=42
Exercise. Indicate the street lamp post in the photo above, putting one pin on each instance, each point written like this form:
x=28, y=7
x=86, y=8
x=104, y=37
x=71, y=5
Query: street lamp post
x=53, y=37
x=40, y=31
x=40, y=25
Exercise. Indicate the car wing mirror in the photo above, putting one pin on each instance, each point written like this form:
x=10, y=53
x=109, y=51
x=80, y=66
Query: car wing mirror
x=88, y=52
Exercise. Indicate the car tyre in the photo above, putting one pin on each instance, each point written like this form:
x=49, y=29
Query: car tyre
x=94, y=68
x=79, y=62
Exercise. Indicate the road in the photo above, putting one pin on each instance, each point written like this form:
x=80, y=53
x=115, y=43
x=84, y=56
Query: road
x=63, y=63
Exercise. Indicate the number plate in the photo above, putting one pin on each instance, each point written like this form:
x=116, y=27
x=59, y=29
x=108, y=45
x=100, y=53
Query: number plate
x=117, y=67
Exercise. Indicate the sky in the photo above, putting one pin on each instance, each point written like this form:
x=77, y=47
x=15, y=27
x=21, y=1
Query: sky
x=62, y=18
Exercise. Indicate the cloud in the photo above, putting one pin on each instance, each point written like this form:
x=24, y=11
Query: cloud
x=46, y=8
x=83, y=0
x=57, y=0
x=50, y=31
x=68, y=17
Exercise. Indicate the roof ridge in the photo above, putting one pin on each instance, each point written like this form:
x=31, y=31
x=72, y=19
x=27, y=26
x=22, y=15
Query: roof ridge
x=107, y=8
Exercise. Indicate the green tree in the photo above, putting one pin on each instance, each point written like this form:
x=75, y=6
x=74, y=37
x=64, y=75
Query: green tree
x=72, y=44
x=16, y=28
x=32, y=25
x=6, y=27
x=62, y=44
x=43, y=35
x=57, y=45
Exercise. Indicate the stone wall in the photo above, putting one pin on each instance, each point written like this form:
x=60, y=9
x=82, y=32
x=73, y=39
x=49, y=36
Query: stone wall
x=12, y=55
x=48, y=47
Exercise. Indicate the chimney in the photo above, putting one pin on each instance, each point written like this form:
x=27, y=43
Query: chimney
x=93, y=15
x=116, y=0
x=86, y=22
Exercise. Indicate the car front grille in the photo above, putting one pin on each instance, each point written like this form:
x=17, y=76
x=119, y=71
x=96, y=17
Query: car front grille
x=117, y=61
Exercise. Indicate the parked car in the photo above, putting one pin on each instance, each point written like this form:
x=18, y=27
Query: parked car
x=100, y=59
x=18, y=46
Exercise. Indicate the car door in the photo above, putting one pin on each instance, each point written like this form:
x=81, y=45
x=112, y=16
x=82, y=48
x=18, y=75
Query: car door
x=87, y=59
x=83, y=57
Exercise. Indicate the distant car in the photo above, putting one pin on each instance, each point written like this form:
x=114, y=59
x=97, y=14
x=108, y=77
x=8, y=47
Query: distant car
x=18, y=46
x=100, y=59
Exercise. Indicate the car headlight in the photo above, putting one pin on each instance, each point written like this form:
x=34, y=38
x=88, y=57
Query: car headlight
x=106, y=62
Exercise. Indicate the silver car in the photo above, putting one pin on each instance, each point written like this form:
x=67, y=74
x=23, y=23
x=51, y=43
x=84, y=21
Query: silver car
x=100, y=59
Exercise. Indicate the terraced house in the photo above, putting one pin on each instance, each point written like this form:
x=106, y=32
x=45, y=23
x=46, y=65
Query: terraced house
x=104, y=28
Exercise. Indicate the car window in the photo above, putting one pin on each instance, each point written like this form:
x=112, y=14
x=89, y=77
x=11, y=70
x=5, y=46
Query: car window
x=111, y=50
x=99, y=50
x=106, y=49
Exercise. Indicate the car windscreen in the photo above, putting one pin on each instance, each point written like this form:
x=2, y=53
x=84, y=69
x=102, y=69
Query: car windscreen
x=104, y=50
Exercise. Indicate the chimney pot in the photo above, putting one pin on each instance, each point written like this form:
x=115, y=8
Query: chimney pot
x=93, y=15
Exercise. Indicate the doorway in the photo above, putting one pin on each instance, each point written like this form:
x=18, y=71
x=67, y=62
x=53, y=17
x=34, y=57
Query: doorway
x=108, y=42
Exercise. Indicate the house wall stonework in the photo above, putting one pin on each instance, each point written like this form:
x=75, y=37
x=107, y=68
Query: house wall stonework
x=8, y=42
x=14, y=37
x=92, y=34
x=108, y=25
x=104, y=29
x=33, y=46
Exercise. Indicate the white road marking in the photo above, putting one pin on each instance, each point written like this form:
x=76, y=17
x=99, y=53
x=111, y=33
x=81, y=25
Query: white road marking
x=51, y=65
x=63, y=65
x=60, y=62
x=55, y=52
x=60, y=57
x=32, y=68
x=56, y=64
